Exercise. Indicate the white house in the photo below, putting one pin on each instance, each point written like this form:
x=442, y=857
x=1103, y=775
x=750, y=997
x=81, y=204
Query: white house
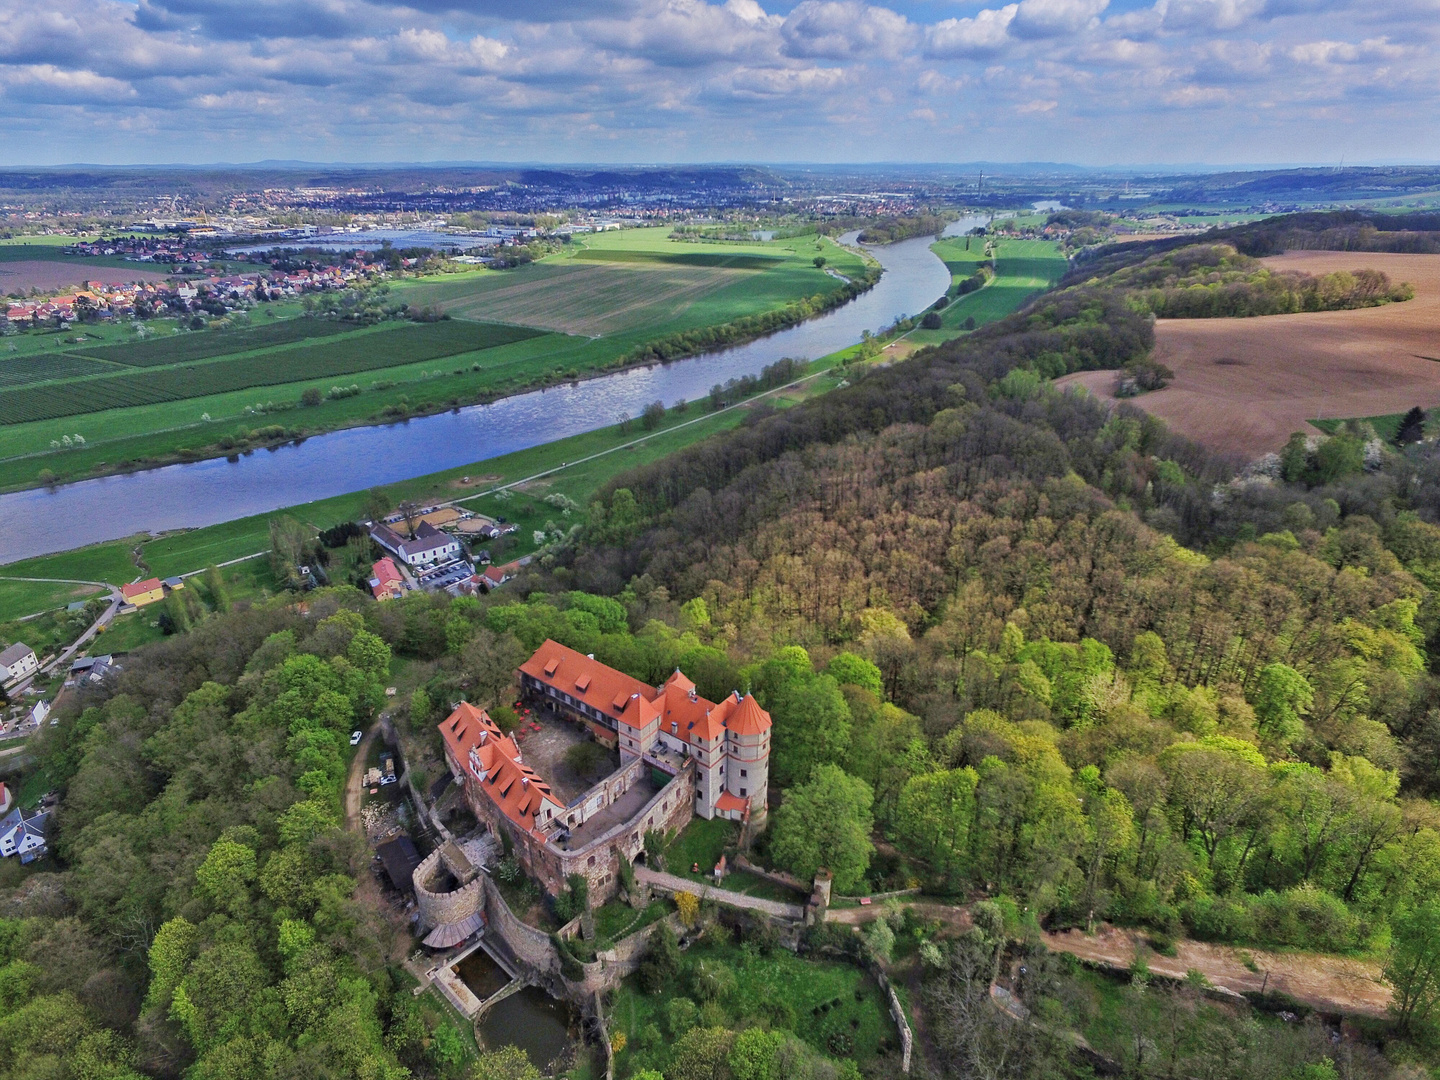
x=17, y=662
x=23, y=836
x=39, y=712
x=430, y=547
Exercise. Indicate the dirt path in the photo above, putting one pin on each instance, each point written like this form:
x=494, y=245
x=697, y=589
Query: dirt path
x=354, y=789
x=957, y=918
x=1328, y=983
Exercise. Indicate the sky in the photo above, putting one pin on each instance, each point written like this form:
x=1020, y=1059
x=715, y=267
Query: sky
x=1092, y=82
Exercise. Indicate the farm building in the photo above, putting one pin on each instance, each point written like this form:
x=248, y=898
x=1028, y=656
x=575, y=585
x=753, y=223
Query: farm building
x=140, y=593
x=429, y=547
x=386, y=581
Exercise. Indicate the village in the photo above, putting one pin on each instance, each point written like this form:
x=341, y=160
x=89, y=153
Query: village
x=215, y=294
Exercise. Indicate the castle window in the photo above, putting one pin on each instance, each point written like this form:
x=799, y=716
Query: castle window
x=744, y=772
x=591, y=862
x=742, y=793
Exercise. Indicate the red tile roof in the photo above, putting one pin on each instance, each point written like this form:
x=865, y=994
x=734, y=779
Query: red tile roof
x=617, y=695
x=727, y=801
x=517, y=790
x=635, y=704
x=137, y=587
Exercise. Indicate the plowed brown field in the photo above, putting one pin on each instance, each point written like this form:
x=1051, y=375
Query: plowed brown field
x=25, y=274
x=1246, y=384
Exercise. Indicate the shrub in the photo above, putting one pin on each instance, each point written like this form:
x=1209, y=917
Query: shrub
x=712, y=980
x=688, y=905
x=932, y=321
x=681, y=1014
x=1217, y=918
x=310, y=397
x=662, y=961
x=1303, y=916
x=880, y=939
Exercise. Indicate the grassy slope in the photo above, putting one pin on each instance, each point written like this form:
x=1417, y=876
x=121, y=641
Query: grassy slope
x=1023, y=268
x=157, y=433
x=21, y=598
x=776, y=981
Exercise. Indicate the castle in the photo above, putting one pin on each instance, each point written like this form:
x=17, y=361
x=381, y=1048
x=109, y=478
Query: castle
x=681, y=756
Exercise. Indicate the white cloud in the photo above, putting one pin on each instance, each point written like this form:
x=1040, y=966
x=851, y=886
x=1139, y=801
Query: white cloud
x=847, y=79
x=1053, y=18
x=983, y=35
x=846, y=29
x=47, y=84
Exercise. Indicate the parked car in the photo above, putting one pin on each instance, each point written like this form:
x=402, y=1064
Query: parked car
x=355, y=737
x=389, y=779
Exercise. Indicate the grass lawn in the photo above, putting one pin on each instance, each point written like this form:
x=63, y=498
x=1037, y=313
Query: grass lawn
x=35, y=784
x=833, y=1006
x=1023, y=268
x=742, y=881
x=615, y=920
x=21, y=598
x=129, y=632
x=701, y=842
x=1387, y=426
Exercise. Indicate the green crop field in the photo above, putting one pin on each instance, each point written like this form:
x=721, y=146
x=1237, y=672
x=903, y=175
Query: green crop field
x=583, y=463
x=407, y=343
x=722, y=259
x=31, y=369
x=638, y=282
x=630, y=287
x=1023, y=268
x=182, y=347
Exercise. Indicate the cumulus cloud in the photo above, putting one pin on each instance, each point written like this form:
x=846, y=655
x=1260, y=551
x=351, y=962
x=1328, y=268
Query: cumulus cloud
x=845, y=79
x=846, y=29
x=254, y=19
x=47, y=84
x=961, y=39
x=1053, y=18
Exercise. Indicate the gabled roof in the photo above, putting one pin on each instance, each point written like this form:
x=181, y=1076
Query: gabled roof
x=636, y=704
x=15, y=653
x=516, y=789
x=135, y=588
x=617, y=695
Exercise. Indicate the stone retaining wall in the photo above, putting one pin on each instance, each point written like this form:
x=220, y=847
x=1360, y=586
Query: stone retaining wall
x=779, y=877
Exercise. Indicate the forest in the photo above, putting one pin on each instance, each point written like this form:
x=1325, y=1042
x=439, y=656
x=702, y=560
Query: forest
x=1046, y=660
x=1208, y=281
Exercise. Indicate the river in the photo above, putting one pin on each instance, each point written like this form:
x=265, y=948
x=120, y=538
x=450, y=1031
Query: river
x=45, y=520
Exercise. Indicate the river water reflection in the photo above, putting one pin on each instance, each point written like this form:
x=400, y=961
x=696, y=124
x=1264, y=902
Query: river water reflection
x=41, y=521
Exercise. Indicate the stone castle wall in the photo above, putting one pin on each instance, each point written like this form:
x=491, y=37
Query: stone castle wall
x=439, y=908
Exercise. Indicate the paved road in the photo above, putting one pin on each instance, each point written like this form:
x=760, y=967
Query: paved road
x=721, y=896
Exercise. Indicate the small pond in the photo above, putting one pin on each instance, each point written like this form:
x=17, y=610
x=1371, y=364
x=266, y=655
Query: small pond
x=481, y=974
x=533, y=1021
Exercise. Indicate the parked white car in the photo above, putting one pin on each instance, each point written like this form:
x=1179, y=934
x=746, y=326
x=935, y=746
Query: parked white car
x=355, y=737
